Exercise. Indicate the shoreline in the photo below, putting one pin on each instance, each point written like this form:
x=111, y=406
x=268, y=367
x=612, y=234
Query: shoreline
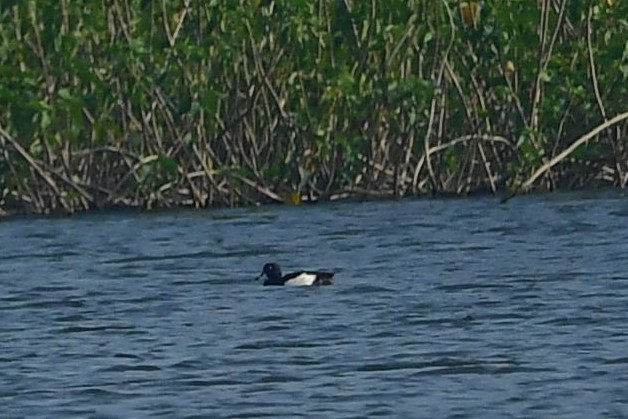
x=7, y=215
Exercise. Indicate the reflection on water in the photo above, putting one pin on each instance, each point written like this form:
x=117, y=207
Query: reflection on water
x=440, y=309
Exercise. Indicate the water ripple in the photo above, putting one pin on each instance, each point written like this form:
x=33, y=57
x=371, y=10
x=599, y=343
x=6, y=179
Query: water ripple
x=453, y=308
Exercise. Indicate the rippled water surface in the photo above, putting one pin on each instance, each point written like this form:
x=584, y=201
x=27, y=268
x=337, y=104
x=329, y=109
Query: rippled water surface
x=441, y=308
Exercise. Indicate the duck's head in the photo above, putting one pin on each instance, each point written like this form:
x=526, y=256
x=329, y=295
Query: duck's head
x=271, y=270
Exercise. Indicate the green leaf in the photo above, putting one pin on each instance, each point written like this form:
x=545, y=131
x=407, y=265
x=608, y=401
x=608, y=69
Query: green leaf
x=168, y=164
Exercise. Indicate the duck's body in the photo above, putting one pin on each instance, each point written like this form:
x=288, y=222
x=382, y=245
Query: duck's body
x=272, y=271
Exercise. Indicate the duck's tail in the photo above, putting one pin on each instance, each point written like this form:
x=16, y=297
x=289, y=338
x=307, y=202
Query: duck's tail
x=324, y=278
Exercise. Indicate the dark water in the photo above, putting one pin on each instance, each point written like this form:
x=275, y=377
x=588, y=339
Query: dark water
x=460, y=308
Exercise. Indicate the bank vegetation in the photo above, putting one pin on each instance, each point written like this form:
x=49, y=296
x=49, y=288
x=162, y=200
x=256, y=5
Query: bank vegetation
x=156, y=103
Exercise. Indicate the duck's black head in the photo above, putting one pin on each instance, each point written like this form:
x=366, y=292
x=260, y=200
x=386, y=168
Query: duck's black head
x=272, y=272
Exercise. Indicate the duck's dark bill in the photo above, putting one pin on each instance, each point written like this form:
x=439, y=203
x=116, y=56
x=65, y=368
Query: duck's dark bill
x=259, y=276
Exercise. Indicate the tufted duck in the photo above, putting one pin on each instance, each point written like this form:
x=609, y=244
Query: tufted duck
x=272, y=271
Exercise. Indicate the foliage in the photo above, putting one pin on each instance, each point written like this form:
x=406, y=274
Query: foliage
x=150, y=102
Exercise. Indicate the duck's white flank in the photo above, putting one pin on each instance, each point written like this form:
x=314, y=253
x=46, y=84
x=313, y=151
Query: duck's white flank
x=302, y=280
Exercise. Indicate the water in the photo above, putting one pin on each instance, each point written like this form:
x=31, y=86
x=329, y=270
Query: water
x=441, y=308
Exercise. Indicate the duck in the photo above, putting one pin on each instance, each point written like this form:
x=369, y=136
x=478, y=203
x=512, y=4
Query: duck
x=272, y=271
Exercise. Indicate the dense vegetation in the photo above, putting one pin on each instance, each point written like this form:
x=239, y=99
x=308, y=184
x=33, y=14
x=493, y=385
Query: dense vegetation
x=227, y=102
